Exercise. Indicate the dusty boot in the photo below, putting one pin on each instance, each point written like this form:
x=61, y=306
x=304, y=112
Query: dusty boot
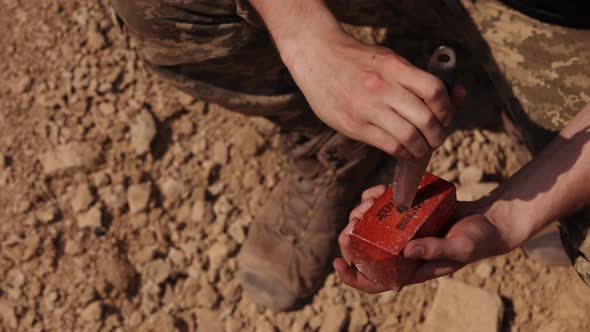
x=545, y=247
x=291, y=242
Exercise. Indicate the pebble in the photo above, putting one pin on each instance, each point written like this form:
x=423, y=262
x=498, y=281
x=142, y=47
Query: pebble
x=484, y=270
x=358, y=319
x=91, y=218
x=47, y=214
x=107, y=109
x=21, y=85
x=208, y=320
x=461, y=307
x=207, y=296
x=470, y=175
x=114, y=197
x=69, y=156
x=251, y=179
x=201, y=212
x=248, y=141
x=92, y=312
x=220, y=152
x=8, y=315
x=143, y=131
x=173, y=190
x=138, y=196
x=95, y=39
x=82, y=198
x=236, y=232
x=157, y=270
x=264, y=325
x=335, y=319
x=117, y=271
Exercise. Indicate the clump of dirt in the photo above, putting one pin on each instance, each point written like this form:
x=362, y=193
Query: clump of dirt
x=124, y=202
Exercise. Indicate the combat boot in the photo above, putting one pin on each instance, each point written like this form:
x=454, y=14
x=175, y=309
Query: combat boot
x=292, y=240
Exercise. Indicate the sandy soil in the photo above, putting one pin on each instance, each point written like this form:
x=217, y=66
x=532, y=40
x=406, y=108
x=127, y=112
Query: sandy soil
x=103, y=229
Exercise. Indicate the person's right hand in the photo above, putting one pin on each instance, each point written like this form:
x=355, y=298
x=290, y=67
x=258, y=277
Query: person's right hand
x=371, y=94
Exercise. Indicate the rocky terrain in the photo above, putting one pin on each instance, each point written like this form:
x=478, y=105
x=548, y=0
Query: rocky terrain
x=123, y=203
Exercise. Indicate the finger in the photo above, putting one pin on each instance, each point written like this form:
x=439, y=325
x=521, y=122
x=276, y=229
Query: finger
x=432, y=270
x=355, y=279
x=457, y=248
x=359, y=211
x=344, y=244
x=430, y=89
x=379, y=138
x=415, y=111
x=373, y=192
x=405, y=133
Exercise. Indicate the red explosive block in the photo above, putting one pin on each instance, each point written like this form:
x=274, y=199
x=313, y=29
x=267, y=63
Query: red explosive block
x=377, y=241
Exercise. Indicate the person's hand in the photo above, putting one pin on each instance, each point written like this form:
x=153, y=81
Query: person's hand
x=473, y=237
x=371, y=94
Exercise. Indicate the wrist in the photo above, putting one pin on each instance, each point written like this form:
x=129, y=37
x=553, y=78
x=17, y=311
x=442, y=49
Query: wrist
x=514, y=226
x=297, y=27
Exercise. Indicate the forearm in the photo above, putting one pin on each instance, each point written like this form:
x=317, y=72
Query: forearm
x=296, y=23
x=555, y=184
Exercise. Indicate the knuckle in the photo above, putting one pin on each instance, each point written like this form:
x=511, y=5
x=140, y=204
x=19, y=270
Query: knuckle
x=429, y=121
x=410, y=136
x=395, y=149
x=436, y=90
x=373, y=82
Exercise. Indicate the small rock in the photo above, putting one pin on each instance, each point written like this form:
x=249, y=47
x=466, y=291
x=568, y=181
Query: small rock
x=162, y=322
x=92, y=312
x=202, y=212
x=251, y=179
x=8, y=316
x=95, y=39
x=91, y=218
x=264, y=325
x=47, y=214
x=220, y=152
x=248, y=141
x=470, y=175
x=218, y=253
x=107, y=109
x=118, y=271
x=69, y=156
x=207, y=296
x=138, y=221
x=237, y=232
x=358, y=319
x=138, y=196
x=208, y=320
x=335, y=319
x=173, y=190
x=157, y=270
x=72, y=247
x=222, y=207
x=82, y=198
x=461, y=307
x=216, y=189
x=143, y=131
x=484, y=270
x=475, y=191
x=21, y=85
x=114, y=197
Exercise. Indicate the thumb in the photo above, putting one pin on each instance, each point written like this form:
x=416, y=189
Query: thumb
x=457, y=248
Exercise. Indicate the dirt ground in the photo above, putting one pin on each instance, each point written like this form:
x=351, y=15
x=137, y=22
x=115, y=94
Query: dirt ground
x=123, y=202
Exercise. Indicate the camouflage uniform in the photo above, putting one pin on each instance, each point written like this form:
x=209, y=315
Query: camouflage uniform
x=219, y=51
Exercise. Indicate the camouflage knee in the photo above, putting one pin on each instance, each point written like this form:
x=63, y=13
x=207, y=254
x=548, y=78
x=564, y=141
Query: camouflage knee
x=179, y=32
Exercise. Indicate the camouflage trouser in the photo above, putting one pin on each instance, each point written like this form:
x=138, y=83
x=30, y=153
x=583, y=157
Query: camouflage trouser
x=219, y=51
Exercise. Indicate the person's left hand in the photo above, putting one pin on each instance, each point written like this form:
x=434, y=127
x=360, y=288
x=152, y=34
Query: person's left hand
x=473, y=237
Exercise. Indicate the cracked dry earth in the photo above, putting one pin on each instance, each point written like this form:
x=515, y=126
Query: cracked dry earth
x=123, y=202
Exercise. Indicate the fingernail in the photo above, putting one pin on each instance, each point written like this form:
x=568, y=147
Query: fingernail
x=415, y=252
